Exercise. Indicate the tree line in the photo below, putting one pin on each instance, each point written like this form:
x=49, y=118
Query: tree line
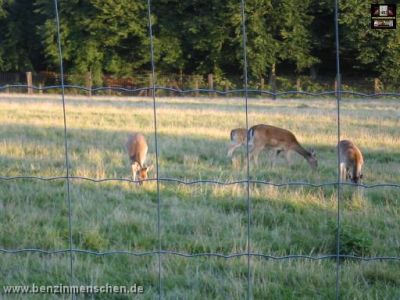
x=284, y=37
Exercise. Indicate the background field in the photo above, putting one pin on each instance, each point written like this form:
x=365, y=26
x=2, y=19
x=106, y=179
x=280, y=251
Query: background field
x=200, y=218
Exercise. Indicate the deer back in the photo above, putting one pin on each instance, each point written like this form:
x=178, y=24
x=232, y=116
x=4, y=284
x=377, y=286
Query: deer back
x=239, y=135
x=137, y=148
x=272, y=137
x=352, y=158
x=281, y=139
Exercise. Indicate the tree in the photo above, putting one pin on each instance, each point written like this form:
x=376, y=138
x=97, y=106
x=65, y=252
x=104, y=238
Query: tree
x=195, y=37
x=293, y=32
x=368, y=51
x=97, y=36
x=262, y=47
x=278, y=33
x=323, y=36
x=20, y=49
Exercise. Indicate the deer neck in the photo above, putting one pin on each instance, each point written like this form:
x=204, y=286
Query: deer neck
x=303, y=152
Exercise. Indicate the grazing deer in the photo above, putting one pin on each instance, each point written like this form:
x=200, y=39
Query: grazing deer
x=351, y=161
x=281, y=140
x=137, y=151
x=238, y=138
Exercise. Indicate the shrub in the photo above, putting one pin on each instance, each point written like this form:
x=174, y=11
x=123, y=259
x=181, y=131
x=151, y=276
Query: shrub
x=353, y=240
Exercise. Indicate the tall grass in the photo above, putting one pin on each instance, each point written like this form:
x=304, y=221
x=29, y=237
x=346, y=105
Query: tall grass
x=193, y=136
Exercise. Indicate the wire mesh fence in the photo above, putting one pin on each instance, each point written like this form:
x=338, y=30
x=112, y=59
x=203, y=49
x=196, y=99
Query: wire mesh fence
x=191, y=85
x=155, y=85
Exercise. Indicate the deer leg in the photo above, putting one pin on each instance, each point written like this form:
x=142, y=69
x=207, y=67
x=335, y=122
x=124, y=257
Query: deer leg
x=133, y=167
x=288, y=157
x=254, y=154
x=348, y=174
x=251, y=156
x=272, y=157
x=343, y=172
x=233, y=148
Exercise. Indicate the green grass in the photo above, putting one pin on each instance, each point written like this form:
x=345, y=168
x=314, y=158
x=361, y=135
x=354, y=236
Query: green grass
x=193, y=137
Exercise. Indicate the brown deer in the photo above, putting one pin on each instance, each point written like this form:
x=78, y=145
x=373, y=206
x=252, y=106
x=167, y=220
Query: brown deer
x=280, y=140
x=137, y=151
x=238, y=138
x=351, y=161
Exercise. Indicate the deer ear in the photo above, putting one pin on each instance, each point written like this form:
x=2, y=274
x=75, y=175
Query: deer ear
x=149, y=168
x=313, y=153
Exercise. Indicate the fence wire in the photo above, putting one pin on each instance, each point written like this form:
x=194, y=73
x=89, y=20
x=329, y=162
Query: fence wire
x=247, y=181
x=208, y=181
x=339, y=187
x=273, y=95
x=245, y=85
x=153, y=90
x=71, y=258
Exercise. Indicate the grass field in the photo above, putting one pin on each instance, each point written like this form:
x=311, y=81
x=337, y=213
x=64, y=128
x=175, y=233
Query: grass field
x=193, y=137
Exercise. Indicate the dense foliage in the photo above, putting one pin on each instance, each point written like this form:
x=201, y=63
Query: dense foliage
x=195, y=37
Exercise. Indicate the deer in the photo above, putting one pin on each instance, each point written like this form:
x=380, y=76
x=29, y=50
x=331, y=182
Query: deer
x=137, y=151
x=351, y=161
x=238, y=139
x=280, y=140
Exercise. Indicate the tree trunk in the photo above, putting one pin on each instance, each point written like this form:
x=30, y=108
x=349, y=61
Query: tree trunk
x=272, y=80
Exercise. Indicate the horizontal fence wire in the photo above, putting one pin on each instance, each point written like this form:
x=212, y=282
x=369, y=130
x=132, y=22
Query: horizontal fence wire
x=206, y=181
x=195, y=81
x=211, y=254
x=191, y=91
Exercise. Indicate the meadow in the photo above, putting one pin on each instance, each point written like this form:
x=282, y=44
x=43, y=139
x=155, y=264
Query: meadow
x=193, y=139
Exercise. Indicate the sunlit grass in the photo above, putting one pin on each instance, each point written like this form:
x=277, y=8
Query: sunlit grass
x=193, y=137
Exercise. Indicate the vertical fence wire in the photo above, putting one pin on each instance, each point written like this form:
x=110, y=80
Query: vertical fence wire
x=339, y=186
x=245, y=83
x=65, y=148
x=153, y=91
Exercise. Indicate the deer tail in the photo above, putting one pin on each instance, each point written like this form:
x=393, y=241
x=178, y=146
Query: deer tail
x=232, y=133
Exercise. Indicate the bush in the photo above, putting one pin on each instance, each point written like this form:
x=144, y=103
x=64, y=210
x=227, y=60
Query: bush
x=353, y=240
